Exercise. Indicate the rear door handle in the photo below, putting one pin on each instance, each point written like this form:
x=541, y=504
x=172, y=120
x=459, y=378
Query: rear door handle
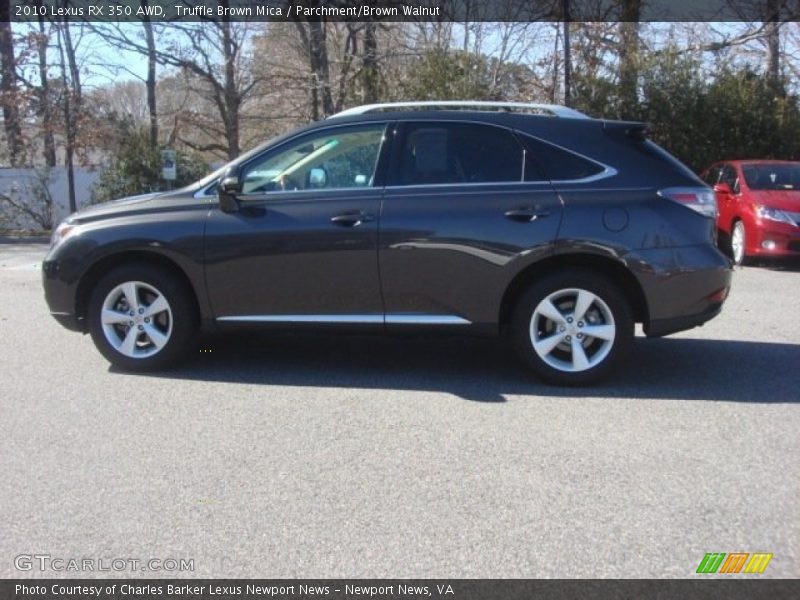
x=351, y=219
x=526, y=215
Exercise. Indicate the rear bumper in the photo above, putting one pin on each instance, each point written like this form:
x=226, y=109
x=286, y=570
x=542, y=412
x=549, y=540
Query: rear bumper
x=662, y=327
x=683, y=287
x=69, y=321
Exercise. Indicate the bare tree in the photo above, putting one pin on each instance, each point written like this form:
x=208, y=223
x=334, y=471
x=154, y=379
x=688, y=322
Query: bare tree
x=556, y=66
x=313, y=37
x=45, y=111
x=10, y=89
x=150, y=43
x=629, y=57
x=369, y=64
x=212, y=56
x=70, y=109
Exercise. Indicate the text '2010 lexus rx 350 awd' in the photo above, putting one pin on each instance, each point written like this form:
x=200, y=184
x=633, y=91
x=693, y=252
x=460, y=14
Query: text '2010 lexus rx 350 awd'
x=532, y=221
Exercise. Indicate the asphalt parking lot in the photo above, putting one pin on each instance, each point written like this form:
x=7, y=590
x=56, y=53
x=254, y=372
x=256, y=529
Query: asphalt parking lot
x=323, y=456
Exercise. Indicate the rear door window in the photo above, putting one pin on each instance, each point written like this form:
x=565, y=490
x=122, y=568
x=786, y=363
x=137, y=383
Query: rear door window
x=434, y=153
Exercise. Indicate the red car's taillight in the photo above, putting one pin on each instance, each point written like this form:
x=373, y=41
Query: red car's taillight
x=701, y=199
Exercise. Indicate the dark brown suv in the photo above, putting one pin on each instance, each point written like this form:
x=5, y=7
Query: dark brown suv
x=533, y=221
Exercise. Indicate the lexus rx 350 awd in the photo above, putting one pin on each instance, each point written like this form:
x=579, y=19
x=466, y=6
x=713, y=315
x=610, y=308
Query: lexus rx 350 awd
x=535, y=222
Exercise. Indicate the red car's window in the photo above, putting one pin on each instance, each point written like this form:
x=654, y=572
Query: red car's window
x=772, y=177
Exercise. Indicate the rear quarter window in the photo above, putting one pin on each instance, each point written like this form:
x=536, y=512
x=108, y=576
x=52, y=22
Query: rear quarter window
x=546, y=161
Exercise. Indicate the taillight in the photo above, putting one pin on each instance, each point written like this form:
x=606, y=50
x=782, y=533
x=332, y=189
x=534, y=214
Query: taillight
x=719, y=295
x=701, y=199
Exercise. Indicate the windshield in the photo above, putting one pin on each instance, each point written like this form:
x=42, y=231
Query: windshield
x=772, y=177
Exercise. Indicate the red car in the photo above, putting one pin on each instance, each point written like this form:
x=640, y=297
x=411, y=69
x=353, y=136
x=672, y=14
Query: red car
x=759, y=207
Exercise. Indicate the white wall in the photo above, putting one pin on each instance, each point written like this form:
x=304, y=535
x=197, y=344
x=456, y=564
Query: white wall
x=26, y=179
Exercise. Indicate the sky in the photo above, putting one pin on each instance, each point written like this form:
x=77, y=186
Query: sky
x=98, y=71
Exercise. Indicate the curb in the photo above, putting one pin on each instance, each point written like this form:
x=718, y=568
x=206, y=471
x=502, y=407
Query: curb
x=24, y=239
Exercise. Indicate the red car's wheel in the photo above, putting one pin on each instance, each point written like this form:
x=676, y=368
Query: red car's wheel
x=738, y=243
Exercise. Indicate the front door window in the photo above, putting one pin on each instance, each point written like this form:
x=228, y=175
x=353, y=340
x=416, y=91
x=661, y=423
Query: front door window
x=334, y=159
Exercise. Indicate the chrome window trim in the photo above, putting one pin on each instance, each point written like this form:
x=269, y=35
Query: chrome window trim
x=607, y=172
x=461, y=185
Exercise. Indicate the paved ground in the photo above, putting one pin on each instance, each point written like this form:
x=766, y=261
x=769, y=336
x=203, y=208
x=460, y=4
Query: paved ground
x=291, y=456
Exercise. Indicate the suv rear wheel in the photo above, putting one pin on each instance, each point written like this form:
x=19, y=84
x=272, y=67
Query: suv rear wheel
x=141, y=318
x=572, y=327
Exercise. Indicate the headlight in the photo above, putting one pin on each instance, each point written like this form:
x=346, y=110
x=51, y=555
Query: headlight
x=773, y=214
x=60, y=233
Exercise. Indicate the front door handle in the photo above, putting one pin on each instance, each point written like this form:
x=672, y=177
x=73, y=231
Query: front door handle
x=351, y=219
x=526, y=215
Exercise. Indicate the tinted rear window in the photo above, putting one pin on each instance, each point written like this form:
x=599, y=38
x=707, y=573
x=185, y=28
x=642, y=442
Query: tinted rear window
x=439, y=152
x=546, y=161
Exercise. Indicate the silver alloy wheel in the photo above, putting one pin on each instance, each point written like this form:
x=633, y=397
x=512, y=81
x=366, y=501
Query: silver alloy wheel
x=572, y=330
x=136, y=319
x=738, y=242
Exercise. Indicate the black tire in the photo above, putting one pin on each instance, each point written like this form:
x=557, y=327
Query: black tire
x=180, y=323
x=562, y=285
x=724, y=243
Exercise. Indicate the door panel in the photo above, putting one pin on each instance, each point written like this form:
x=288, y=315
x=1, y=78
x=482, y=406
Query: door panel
x=452, y=250
x=458, y=222
x=287, y=257
x=303, y=247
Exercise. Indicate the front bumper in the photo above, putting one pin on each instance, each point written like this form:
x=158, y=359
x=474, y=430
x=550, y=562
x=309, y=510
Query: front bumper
x=768, y=238
x=60, y=295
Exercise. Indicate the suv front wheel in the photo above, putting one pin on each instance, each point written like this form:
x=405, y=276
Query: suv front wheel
x=572, y=327
x=141, y=318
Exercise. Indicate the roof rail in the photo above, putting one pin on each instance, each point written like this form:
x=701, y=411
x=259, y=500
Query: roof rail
x=554, y=110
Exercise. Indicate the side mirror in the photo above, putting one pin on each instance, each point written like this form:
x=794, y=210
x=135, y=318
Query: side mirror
x=723, y=188
x=227, y=188
x=317, y=178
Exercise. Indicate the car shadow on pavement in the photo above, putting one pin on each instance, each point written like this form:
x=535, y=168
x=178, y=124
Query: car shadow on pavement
x=785, y=265
x=487, y=370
